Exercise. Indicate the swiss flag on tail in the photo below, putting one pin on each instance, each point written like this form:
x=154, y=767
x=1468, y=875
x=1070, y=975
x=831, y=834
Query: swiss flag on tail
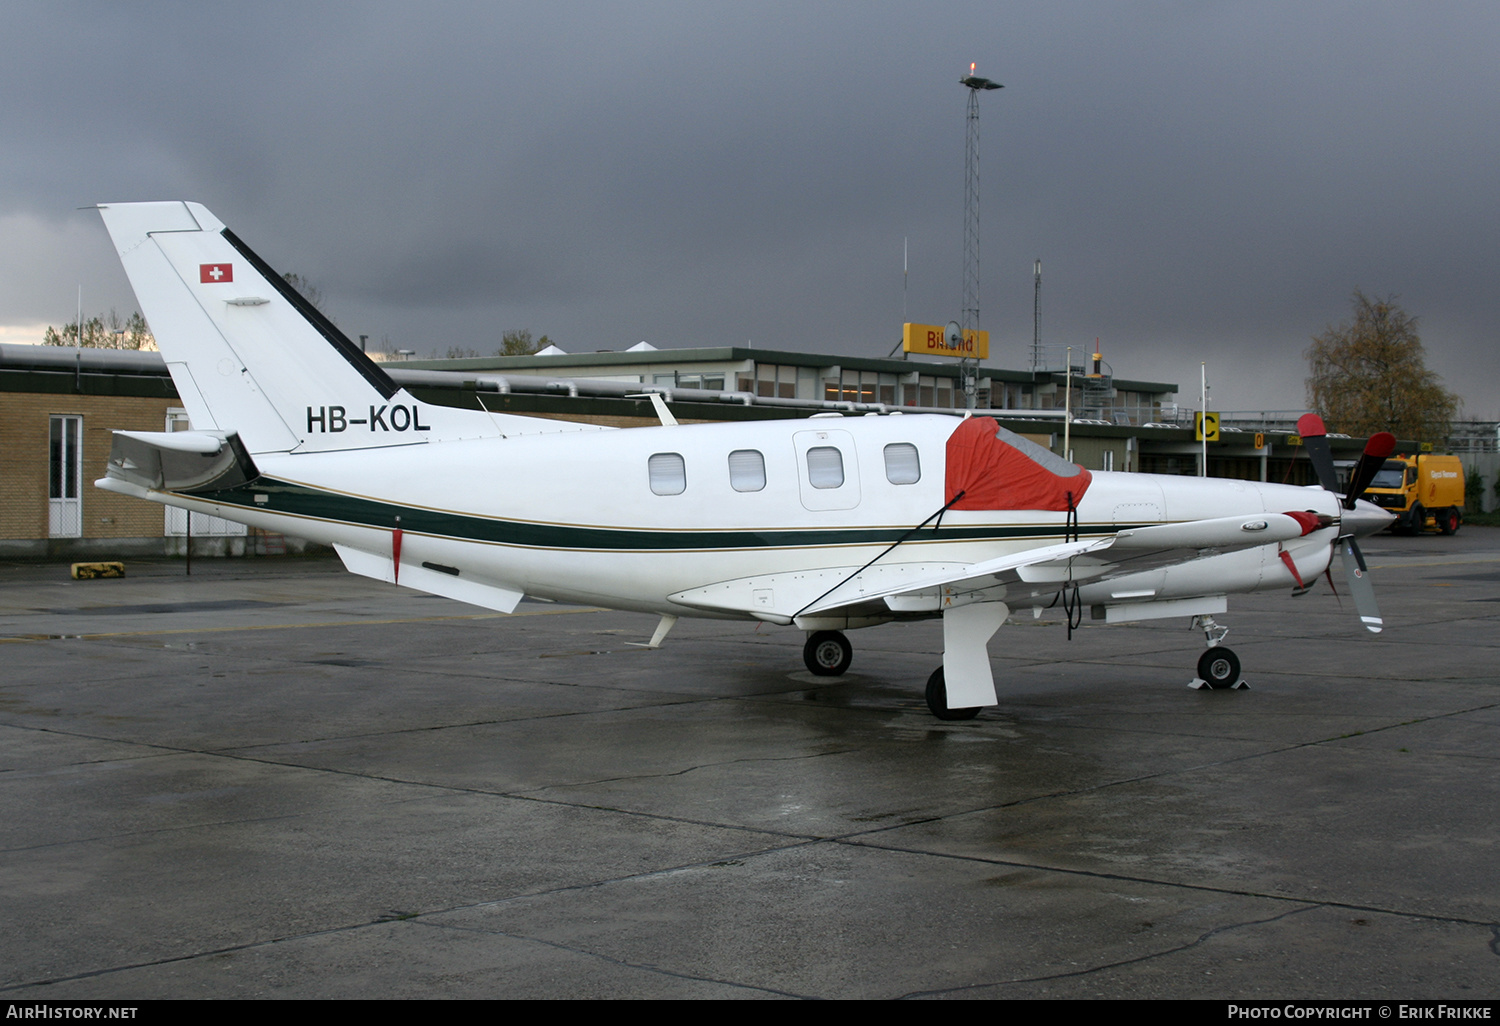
x=211, y=273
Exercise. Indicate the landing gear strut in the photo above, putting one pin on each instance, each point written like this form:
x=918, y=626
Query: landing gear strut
x=827, y=653
x=1218, y=668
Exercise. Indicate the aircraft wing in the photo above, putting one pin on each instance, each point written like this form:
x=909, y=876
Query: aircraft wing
x=905, y=587
x=1033, y=564
x=1128, y=551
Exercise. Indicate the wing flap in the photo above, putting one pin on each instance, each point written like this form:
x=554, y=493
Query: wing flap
x=780, y=597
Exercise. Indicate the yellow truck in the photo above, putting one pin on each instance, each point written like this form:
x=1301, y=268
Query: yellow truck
x=1424, y=491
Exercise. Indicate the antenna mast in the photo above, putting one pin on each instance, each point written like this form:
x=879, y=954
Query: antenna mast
x=1036, y=318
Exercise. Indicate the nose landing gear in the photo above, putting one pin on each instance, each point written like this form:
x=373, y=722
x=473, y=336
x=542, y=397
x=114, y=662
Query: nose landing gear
x=1218, y=668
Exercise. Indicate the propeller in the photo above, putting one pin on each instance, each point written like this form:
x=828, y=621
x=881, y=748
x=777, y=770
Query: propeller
x=1359, y=519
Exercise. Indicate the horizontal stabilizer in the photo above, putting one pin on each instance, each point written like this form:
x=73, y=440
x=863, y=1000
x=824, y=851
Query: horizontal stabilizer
x=179, y=461
x=448, y=582
x=178, y=441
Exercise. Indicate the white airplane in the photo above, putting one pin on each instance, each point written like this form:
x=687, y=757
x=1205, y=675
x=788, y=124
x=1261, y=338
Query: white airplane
x=823, y=524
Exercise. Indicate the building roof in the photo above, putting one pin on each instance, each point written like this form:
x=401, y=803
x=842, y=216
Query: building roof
x=745, y=355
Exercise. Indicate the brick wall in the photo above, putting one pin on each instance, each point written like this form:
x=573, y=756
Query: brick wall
x=25, y=420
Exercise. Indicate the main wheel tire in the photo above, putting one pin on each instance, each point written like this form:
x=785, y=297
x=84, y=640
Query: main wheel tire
x=827, y=654
x=937, y=699
x=1219, y=668
x=1450, y=520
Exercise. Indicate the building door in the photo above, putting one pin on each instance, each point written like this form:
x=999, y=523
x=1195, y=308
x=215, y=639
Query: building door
x=65, y=478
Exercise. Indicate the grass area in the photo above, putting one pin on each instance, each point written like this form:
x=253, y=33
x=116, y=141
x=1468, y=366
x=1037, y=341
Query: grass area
x=1477, y=519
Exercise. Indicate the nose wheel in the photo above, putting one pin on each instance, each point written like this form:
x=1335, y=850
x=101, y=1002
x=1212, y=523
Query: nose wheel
x=827, y=654
x=1218, y=668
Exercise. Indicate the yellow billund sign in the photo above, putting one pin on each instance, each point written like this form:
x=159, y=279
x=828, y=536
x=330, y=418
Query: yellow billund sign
x=932, y=340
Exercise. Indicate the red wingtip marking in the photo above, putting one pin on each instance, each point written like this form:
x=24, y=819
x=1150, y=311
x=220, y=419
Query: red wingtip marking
x=1310, y=425
x=1380, y=445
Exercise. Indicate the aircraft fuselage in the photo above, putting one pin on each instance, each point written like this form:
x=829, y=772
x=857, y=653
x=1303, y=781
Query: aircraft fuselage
x=574, y=516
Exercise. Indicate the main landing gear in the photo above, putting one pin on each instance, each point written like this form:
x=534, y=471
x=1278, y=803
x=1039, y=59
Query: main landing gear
x=827, y=654
x=1218, y=668
x=937, y=700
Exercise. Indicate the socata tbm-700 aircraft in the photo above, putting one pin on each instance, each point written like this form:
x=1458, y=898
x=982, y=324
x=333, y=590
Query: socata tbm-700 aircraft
x=825, y=524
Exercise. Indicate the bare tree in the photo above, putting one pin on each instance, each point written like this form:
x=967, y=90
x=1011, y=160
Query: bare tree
x=519, y=343
x=103, y=333
x=308, y=290
x=1368, y=374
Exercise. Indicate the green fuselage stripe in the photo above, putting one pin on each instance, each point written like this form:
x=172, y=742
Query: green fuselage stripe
x=303, y=501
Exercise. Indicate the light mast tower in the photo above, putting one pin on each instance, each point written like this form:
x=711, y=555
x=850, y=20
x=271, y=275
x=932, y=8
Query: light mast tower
x=970, y=318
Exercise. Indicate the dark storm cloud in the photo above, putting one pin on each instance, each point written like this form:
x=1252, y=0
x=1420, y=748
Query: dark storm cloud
x=1201, y=181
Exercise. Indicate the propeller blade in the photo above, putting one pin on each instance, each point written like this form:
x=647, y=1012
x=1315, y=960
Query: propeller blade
x=1315, y=441
x=1377, y=449
x=1360, y=586
x=1359, y=557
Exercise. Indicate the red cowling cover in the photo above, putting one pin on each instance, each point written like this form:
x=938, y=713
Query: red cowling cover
x=995, y=474
x=1310, y=425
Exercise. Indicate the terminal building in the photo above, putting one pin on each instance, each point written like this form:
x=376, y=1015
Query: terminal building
x=58, y=407
x=881, y=384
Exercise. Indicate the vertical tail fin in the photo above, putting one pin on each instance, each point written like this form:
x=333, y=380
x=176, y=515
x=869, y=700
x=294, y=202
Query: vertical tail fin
x=249, y=354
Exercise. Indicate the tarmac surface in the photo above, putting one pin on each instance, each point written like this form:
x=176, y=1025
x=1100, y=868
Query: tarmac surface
x=274, y=779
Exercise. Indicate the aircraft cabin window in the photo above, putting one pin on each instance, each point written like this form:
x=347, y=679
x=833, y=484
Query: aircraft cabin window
x=747, y=470
x=825, y=467
x=668, y=473
x=902, y=467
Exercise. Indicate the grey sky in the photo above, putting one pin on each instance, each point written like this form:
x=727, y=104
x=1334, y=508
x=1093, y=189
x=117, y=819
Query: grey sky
x=1202, y=181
